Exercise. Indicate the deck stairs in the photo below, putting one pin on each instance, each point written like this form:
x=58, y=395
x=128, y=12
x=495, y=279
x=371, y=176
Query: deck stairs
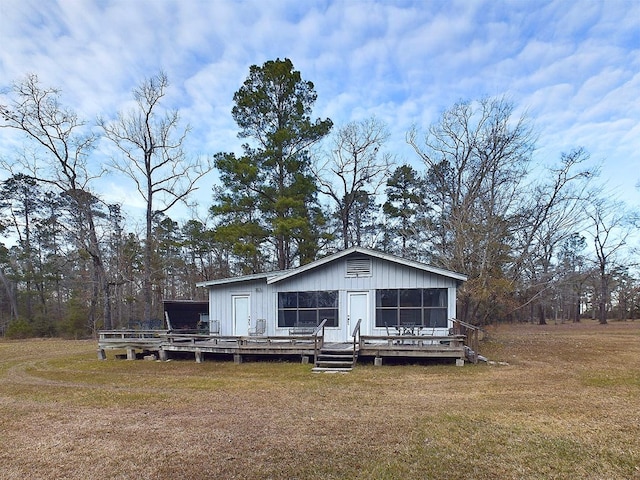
x=336, y=358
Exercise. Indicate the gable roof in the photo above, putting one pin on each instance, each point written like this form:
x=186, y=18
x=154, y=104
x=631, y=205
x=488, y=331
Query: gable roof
x=241, y=278
x=277, y=276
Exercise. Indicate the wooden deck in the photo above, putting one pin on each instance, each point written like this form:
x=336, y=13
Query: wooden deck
x=303, y=345
x=163, y=343
x=415, y=346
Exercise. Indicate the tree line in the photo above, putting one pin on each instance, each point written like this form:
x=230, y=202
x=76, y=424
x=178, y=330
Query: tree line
x=537, y=242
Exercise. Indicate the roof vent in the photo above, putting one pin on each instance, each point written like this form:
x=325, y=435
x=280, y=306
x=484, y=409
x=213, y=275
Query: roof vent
x=358, y=267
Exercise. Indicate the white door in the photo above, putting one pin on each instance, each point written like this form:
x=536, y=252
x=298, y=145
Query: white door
x=241, y=316
x=357, y=309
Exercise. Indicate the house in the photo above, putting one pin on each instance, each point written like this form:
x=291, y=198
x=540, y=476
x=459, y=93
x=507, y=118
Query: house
x=358, y=303
x=384, y=292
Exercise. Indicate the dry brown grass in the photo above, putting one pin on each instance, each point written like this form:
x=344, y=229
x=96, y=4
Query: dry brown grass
x=567, y=405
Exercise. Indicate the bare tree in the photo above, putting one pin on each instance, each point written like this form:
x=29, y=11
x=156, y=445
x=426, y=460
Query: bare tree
x=551, y=212
x=573, y=274
x=354, y=166
x=554, y=209
x=477, y=156
x=59, y=133
x=150, y=141
x=609, y=230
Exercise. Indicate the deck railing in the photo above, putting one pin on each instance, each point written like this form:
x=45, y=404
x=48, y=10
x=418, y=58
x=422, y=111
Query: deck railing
x=239, y=341
x=471, y=332
x=129, y=333
x=124, y=338
x=356, y=341
x=413, y=340
x=318, y=342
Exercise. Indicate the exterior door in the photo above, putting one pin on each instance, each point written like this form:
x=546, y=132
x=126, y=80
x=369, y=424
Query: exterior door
x=357, y=309
x=241, y=315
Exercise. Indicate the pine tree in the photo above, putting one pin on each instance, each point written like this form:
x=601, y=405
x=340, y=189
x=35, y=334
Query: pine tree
x=267, y=208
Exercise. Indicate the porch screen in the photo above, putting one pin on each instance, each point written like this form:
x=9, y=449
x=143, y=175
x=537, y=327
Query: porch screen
x=304, y=309
x=412, y=306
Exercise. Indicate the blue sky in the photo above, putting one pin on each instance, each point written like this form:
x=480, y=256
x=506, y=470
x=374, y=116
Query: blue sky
x=573, y=66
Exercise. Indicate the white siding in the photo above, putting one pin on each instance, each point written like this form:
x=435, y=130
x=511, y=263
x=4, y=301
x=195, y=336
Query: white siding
x=384, y=275
x=261, y=304
x=331, y=276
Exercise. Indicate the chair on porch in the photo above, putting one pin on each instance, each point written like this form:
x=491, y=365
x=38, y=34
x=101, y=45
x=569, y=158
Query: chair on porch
x=214, y=327
x=261, y=327
x=391, y=341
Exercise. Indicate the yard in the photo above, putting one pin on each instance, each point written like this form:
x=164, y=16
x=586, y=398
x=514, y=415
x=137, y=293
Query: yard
x=560, y=401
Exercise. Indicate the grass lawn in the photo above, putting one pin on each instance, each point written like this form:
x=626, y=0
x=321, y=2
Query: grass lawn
x=560, y=401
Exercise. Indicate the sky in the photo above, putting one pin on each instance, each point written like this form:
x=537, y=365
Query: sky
x=572, y=66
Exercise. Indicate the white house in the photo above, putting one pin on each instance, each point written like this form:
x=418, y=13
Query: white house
x=382, y=291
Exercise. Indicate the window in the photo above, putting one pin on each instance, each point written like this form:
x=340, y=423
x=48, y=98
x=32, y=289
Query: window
x=304, y=309
x=412, y=306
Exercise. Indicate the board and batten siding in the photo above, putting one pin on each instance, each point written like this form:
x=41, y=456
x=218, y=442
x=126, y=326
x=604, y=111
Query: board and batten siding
x=384, y=274
x=261, y=304
x=331, y=276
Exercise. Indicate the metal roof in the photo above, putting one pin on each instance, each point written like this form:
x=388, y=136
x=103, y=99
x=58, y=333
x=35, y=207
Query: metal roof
x=277, y=276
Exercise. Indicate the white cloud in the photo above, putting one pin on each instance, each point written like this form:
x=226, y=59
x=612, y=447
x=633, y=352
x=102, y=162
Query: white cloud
x=572, y=65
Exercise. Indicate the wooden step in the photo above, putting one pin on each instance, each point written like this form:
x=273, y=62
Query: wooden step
x=323, y=356
x=333, y=364
x=333, y=369
x=338, y=360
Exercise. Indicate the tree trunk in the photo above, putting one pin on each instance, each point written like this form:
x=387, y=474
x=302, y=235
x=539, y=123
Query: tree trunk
x=345, y=228
x=146, y=281
x=541, y=315
x=100, y=274
x=11, y=295
x=282, y=264
x=602, y=305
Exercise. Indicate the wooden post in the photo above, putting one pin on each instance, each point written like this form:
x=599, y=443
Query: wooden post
x=237, y=359
x=198, y=355
x=101, y=354
x=131, y=353
x=162, y=354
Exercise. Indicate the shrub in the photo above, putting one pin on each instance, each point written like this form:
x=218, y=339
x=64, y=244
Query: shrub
x=18, y=329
